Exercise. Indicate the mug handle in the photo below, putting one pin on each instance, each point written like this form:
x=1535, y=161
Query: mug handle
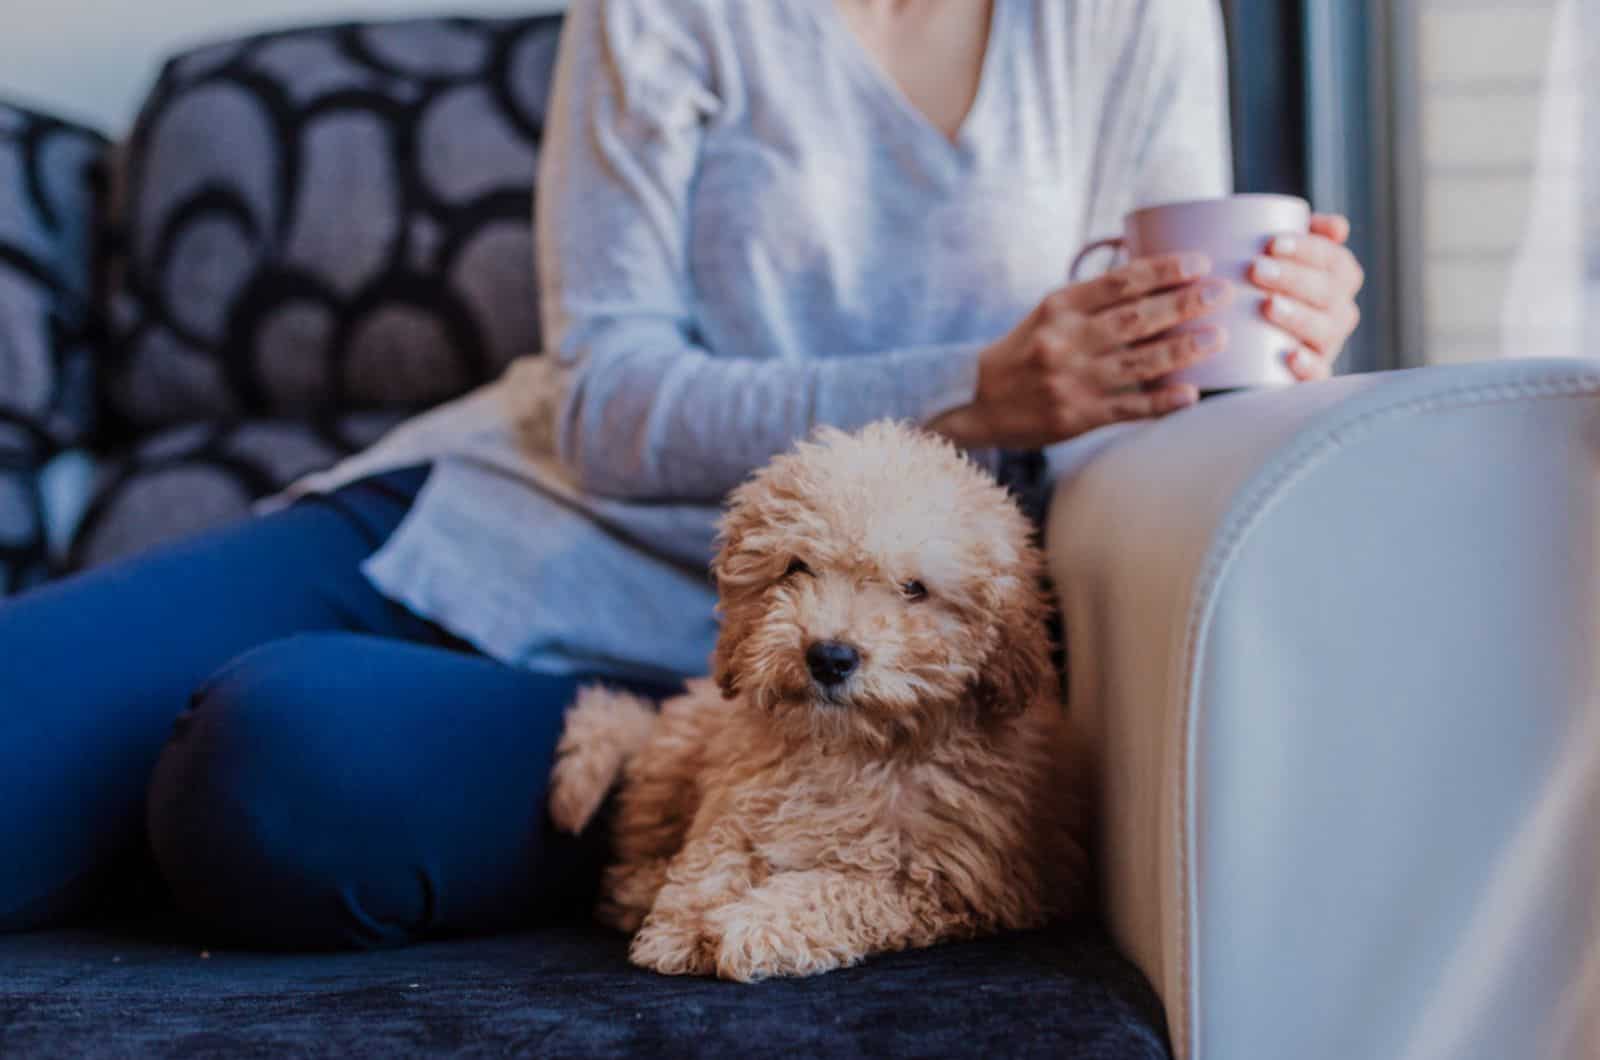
x=1073, y=274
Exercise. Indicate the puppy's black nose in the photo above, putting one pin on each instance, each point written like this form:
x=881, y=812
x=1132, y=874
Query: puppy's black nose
x=830, y=662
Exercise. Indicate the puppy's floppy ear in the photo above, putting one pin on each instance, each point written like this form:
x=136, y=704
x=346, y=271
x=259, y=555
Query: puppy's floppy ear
x=729, y=635
x=733, y=570
x=722, y=667
x=1018, y=670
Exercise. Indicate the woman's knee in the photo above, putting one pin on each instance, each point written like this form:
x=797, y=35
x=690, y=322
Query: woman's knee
x=265, y=817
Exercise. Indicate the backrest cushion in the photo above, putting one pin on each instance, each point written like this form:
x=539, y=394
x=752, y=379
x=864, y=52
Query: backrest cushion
x=183, y=480
x=331, y=219
x=49, y=191
x=24, y=552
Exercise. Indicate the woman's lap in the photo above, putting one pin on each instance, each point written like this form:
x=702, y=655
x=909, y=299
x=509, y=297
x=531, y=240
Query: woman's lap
x=335, y=789
x=390, y=716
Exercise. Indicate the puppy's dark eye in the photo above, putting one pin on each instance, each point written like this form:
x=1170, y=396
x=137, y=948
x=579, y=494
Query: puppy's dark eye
x=914, y=590
x=796, y=566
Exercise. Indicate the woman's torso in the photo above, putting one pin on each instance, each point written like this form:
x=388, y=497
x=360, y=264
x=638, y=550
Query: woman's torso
x=826, y=218
x=852, y=224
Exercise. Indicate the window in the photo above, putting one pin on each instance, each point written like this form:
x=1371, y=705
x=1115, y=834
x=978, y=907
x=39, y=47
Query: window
x=1489, y=161
x=1462, y=139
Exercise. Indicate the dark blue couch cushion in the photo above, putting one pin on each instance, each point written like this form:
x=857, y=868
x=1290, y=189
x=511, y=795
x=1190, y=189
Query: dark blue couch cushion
x=567, y=991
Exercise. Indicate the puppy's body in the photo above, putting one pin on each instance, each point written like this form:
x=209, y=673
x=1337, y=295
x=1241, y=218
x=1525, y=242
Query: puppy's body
x=774, y=823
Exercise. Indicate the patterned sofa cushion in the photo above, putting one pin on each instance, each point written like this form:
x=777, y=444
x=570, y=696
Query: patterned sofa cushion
x=49, y=184
x=331, y=219
x=184, y=480
x=24, y=557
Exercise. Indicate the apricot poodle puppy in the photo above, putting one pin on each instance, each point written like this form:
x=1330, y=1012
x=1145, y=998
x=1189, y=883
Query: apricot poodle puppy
x=882, y=760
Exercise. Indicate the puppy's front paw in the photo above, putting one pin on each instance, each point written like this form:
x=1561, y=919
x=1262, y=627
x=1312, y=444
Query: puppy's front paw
x=574, y=800
x=674, y=945
x=602, y=731
x=757, y=946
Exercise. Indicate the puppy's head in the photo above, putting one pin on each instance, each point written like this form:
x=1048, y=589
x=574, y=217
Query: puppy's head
x=878, y=587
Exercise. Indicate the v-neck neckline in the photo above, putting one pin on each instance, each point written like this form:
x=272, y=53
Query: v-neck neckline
x=837, y=25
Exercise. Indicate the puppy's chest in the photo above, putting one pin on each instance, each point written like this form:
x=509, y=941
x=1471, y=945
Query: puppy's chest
x=799, y=823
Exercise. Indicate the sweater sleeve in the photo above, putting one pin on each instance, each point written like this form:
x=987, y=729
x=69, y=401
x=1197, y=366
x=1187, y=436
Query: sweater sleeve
x=647, y=412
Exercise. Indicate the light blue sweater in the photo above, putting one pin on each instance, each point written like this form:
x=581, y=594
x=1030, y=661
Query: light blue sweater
x=746, y=230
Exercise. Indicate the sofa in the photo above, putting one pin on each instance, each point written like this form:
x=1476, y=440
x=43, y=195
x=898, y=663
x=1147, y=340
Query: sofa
x=1336, y=647
x=308, y=236
x=1333, y=644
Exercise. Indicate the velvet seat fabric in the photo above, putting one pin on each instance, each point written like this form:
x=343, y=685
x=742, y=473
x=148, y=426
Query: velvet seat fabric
x=564, y=990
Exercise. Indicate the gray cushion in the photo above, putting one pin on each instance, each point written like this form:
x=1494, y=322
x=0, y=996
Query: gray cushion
x=188, y=479
x=24, y=558
x=48, y=198
x=336, y=218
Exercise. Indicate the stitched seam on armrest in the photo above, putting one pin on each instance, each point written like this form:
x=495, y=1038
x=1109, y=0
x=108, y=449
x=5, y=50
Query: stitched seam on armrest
x=1254, y=501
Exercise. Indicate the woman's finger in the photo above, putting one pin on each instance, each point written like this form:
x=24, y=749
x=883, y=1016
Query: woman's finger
x=1137, y=365
x=1307, y=365
x=1316, y=328
x=1334, y=226
x=1134, y=280
x=1143, y=404
x=1303, y=283
x=1320, y=252
x=1132, y=323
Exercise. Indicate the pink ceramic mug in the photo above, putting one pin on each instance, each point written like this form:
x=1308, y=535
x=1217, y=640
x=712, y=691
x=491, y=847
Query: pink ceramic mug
x=1233, y=232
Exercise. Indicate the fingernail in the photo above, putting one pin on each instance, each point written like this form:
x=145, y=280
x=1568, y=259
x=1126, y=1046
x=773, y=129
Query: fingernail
x=1185, y=397
x=1194, y=264
x=1303, y=361
x=1213, y=293
x=1280, y=308
x=1267, y=269
x=1285, y=245
x=1210, y=340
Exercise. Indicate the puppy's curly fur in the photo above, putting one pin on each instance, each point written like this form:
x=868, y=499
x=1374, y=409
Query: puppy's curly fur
x=775, y=823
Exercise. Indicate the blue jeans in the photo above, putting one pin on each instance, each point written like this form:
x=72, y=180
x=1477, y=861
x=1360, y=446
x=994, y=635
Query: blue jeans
x=345, y=773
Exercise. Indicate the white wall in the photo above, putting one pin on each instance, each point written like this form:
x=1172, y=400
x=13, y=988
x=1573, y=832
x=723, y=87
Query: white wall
x=94, y=59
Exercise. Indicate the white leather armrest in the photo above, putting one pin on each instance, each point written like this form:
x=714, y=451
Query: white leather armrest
x=1336, y=646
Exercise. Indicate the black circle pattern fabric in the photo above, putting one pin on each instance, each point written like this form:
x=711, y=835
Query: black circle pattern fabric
x=50, y=179
x=333, y=219
x=24, y=549
x=185, y=480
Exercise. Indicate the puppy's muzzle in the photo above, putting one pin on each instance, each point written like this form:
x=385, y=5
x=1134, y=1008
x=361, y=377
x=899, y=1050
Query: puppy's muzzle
x=831, y=662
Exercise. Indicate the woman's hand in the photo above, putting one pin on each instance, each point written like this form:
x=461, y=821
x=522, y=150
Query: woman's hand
x=1092, y=354
x=1314, y=280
